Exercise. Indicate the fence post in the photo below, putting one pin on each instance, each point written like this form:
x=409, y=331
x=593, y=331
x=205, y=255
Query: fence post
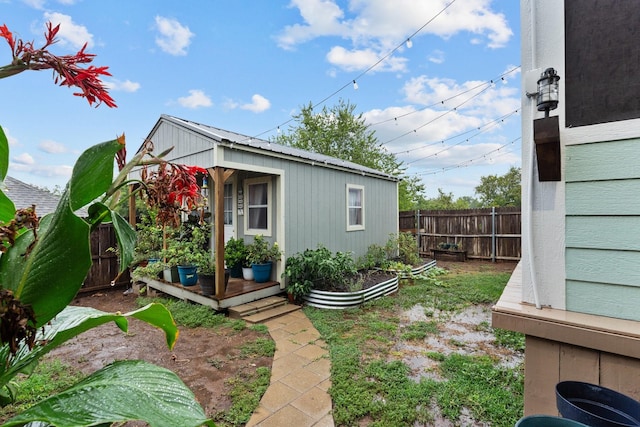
x=493, y=234
x=417, y=224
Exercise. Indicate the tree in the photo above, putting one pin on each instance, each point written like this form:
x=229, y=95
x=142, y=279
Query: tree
x=339, y=133
x=501, y=190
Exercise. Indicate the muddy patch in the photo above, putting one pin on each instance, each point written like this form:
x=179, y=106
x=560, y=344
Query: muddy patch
x=468, y=332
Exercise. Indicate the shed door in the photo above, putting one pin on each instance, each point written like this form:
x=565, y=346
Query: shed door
x=229, y=223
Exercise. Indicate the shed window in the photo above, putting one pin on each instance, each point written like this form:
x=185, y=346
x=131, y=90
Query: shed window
x=258, y=215
x=355, y=207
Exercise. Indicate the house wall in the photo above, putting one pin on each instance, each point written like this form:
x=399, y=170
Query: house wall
x=314, y=209
x=603, y=238
x=542, y=27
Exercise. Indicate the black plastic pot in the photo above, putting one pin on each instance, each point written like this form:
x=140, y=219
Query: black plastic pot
x=547, y=421
x=596, y=406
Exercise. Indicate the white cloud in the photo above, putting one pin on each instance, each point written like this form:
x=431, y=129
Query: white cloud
x=70, y=34
x=24, y=159
x=48, y=171
x=437, y=57
x=12, y=140
x=123, y=86
x=380, y=25
x=36, y=4
x=173, y=38
x=52, y=147
x=353, y=60
x=67, y=2
x=258, y=104
x=196, y=99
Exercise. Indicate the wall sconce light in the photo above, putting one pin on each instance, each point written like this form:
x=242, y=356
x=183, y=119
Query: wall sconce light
x=548, y=91
x=546, y=131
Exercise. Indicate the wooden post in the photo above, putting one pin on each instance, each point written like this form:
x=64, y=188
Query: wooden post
x=219, y=176
x=218, y=225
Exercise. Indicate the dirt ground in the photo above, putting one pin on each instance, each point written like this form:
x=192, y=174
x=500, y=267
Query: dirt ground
x=203, y=358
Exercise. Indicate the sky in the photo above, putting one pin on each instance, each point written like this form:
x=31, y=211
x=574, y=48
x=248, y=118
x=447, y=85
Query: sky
x=438, y=81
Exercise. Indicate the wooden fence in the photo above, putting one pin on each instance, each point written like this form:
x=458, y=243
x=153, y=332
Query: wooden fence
x=490, y=234
x=105, y=262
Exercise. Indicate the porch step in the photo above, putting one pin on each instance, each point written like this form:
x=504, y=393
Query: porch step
x=263, y=309
x=271, y=313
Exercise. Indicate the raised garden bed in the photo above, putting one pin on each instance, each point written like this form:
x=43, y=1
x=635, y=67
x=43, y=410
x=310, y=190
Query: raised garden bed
x=342, y=300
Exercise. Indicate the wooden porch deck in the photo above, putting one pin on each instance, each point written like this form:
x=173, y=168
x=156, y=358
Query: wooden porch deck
x=238, y=292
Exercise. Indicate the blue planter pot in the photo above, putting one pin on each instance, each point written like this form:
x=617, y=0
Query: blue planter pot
x=188, y=275
x=261, y=272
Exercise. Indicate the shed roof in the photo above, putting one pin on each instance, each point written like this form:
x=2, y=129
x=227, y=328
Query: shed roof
x=270, y=148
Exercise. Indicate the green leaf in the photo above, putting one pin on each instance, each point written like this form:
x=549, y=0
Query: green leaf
x=122, y=391
x=7, y=208
x=48, y=272
x=126, y=236
x=4, y=155
x=71, y=322
x=92, y=174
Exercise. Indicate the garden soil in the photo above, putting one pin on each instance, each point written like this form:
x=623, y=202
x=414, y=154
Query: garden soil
x=205, y=359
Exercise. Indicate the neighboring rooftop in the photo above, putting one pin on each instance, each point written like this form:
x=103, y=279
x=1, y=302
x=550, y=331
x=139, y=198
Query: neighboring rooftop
x=24, y=195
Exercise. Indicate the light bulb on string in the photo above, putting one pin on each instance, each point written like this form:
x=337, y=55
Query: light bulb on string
x=355, y=85
x=409, y=43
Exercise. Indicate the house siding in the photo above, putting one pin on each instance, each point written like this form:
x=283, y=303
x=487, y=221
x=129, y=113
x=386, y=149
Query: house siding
x=315, y=205
x=603, y=238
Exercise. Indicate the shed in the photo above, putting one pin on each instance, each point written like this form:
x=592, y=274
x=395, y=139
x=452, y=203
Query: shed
x=576, y=293
x=290, y=196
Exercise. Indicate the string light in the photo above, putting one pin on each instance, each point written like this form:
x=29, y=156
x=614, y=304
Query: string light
x=355, y=85
x=409, y=43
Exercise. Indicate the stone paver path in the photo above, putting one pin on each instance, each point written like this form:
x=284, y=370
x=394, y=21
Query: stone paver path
x=300, y=377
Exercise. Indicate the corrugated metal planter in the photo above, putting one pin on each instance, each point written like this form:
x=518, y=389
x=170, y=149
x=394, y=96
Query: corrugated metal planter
x=414, y=271
x=342, y=300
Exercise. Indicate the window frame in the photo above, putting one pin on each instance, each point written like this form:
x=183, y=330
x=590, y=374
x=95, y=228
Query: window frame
x=247, y=208
x=361, y=226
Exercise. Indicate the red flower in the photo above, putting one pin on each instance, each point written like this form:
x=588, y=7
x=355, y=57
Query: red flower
x=26, y=57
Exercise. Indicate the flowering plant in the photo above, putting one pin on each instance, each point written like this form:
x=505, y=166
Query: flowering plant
x=43, y=263
x=69, y=73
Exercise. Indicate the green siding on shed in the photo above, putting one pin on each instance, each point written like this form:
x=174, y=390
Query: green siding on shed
x=602, y=233
x=315, y=205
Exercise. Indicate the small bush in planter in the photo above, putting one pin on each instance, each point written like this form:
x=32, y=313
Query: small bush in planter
x=317, y=269
x=260, y=251
x=235, y=256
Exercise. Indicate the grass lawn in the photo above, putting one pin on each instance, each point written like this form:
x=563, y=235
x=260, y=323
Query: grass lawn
x=403, y=360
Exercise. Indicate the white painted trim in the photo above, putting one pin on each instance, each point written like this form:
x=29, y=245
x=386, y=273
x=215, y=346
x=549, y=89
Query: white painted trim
x=602, y=132
x=253, y=181
x=357, y=227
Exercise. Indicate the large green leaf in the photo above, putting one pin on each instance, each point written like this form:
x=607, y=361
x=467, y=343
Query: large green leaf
x=4, y=155
x=92, y=174
x=7, y=208
x=125, y=390
x=126, y=236
x=48, y=273
x=73, y=321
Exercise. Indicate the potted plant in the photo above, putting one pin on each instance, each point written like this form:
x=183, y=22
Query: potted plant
x=207, y=276
x=187, y=251
x=235, y=255
x=261, y=256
